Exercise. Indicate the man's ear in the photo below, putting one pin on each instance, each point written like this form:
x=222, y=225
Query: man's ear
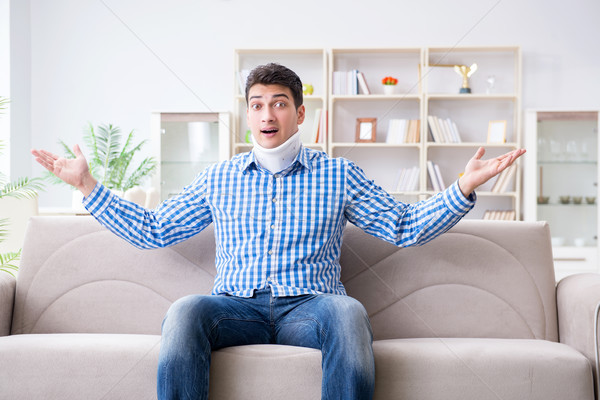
x=301, y=113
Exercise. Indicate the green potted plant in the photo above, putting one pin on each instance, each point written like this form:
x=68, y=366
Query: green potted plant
x=110, y=161
x=21, y=188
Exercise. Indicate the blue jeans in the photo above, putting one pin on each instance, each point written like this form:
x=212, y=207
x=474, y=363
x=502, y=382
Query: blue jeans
x=196, y=325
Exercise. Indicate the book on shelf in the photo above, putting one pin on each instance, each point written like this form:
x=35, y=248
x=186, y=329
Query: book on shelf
x=321, y=137
x=502, y=215
x=504, y=179
x=407, y=179
x=362, y=83
x=316, y=126
x=414, y=131
x=435, y=176
x=242, y=78
x=350, y=82
x=317, y=132
x=443, y=130
x=403, y=131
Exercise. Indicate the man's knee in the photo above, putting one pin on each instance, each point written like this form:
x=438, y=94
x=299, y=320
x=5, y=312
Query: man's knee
x=185, y=312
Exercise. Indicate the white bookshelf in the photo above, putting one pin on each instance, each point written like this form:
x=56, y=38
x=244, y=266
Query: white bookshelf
x=422, y=90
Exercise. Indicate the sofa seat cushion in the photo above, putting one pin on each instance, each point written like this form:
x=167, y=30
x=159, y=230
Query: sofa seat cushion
x=78, y=366
x=122, y=366
x=507, y=369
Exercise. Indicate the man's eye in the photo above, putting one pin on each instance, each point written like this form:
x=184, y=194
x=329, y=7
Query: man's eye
x=280, y=104
x=255, y=106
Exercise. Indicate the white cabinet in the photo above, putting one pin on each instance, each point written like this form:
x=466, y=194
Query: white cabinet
x=185, y=144
x=561, y=184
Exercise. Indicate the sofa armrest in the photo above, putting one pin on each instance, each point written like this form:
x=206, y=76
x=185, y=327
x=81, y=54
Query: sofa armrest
x=578, y=306
x=7, y=300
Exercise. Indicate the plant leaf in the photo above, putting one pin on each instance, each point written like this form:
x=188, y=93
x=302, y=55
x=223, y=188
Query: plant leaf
x=22, y=188
x=8, y=262
x=146, y=167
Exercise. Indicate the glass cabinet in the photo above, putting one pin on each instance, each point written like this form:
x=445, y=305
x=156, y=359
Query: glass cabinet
x=561, y=186
x=185, y=144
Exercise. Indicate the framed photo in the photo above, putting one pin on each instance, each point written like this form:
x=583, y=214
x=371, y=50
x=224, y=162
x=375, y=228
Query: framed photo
x=497, y=132
x=366, y=129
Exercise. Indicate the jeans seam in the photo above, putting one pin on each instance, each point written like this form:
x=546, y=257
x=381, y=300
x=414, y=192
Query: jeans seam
x=232, y=319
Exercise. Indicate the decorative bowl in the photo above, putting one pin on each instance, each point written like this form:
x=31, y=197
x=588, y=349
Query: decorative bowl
x=543, y=199
x=564, y=199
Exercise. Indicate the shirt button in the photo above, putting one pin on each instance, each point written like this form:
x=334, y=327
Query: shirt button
x=269, y=279
x=274, y=200
x=276, y=176
x=270, y=252
x=272, y=226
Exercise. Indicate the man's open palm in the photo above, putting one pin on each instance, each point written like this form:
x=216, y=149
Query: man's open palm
x=75, y=171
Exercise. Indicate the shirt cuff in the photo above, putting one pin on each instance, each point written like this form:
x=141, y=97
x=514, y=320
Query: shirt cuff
x=456, y=201
x=98, y=200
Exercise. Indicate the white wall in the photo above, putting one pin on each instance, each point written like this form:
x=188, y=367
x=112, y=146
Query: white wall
x=116, y=61
x=5, y=84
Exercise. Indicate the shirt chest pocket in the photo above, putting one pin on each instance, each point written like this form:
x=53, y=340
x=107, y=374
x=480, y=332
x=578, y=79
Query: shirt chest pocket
x=226, y=206
x=315, y=206
x=229, y=207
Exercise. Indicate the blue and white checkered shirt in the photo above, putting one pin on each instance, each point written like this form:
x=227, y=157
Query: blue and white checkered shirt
x=280, y=230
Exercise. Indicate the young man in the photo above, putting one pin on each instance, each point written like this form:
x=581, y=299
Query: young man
x=279, y=213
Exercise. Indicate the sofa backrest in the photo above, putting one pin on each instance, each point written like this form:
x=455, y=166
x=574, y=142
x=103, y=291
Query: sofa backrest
x=481, y=279
x=76, y=276
x=485, y=279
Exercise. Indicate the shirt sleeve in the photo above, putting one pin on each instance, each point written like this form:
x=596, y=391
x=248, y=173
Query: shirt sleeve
x=378, y=213
x=173, y=221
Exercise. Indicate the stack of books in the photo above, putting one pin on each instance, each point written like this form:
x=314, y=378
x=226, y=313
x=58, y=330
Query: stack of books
x=435, y=176
x=403, y=131
x=443, y=130
x=407, y=180
x=504, y=215
x=504, y=179
x=319, y=130
x=349, y=83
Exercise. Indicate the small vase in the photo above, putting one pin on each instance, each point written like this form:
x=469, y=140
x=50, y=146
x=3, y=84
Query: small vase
x=389, y=89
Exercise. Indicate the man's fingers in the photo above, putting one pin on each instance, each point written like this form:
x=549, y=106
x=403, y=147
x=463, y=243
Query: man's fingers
x=480, y=152
x=77, y=150
x=45, y=158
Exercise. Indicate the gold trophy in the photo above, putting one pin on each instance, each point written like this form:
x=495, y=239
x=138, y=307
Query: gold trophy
x=464, y=71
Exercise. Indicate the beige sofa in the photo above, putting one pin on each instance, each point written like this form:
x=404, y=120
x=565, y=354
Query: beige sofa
x=472, y=315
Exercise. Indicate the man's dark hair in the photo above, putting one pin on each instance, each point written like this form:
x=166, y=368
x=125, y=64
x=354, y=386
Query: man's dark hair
x=276, y=74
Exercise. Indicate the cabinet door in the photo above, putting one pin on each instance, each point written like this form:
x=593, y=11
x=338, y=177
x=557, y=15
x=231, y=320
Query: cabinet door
x=189, y=142
x=562, y=184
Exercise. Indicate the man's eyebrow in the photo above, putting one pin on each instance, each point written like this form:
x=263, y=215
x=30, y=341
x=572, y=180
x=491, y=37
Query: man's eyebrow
x=274, y=96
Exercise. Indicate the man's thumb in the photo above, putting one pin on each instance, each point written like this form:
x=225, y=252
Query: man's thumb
x=77, y=151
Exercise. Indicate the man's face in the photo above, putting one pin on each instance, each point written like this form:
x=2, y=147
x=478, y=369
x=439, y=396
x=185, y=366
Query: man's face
x=272, y=115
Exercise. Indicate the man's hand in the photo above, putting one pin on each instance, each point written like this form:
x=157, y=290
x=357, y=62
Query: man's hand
x=478, y=171
x=75, y=172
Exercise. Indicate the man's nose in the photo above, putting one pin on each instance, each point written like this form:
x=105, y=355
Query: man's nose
x=268, y=115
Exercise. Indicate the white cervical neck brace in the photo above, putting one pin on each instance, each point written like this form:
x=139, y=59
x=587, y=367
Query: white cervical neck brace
x=280, y=157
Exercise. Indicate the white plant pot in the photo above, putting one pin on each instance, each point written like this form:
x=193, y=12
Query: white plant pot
x=389, y=89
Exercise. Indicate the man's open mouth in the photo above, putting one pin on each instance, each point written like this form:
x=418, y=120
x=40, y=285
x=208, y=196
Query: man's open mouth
x=268, y=131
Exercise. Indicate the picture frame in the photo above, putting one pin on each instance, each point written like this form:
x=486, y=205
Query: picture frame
x=366, y=130
x=497, y=131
